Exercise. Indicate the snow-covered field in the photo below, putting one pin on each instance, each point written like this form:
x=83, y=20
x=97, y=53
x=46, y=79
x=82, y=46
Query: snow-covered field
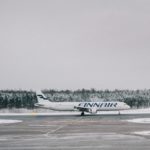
x=142, y=133
x=7, y=121
x=140, y=120
x=43, y=112
x=24, y=110
x=5, y=112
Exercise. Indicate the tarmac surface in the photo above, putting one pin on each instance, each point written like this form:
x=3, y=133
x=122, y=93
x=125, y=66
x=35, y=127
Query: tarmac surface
x=73, y=132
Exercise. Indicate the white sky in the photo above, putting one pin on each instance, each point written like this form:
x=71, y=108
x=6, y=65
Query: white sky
x=72, y=44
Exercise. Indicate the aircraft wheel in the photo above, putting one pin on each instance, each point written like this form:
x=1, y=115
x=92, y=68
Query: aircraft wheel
x=82, y=114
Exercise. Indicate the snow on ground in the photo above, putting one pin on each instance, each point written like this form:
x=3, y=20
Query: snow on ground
x=142, y=133
x=136, y=111
x=40, y=114
x=140, y=120
x=3, y=121
x=22, y=112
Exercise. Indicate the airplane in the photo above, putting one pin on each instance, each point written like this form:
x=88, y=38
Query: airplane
x=89, y=107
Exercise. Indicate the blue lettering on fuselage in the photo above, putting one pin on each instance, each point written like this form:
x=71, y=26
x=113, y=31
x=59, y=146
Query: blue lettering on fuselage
x=95, y=104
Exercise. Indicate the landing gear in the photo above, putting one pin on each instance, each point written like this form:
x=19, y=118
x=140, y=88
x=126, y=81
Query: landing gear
x=82, y=114
x=118, y=112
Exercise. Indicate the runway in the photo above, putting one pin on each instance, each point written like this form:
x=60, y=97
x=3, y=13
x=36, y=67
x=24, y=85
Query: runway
x=62, y=132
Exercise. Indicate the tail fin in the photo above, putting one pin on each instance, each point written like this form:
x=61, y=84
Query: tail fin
x=41, y=97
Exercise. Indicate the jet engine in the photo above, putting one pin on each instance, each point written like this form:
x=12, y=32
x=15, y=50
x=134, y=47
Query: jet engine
x=93, y=110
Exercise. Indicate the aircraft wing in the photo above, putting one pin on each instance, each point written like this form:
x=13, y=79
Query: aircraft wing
x=86, y=109
x=82, y=108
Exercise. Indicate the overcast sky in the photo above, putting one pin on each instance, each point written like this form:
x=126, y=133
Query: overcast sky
x=74, y=44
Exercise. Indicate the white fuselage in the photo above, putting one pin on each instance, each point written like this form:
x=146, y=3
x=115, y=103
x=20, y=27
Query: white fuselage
x=71, y=106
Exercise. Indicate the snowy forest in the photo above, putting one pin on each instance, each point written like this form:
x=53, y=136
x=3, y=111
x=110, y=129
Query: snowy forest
x=27, y=99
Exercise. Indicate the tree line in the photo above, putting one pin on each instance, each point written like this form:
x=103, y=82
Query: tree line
x=27, y=99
